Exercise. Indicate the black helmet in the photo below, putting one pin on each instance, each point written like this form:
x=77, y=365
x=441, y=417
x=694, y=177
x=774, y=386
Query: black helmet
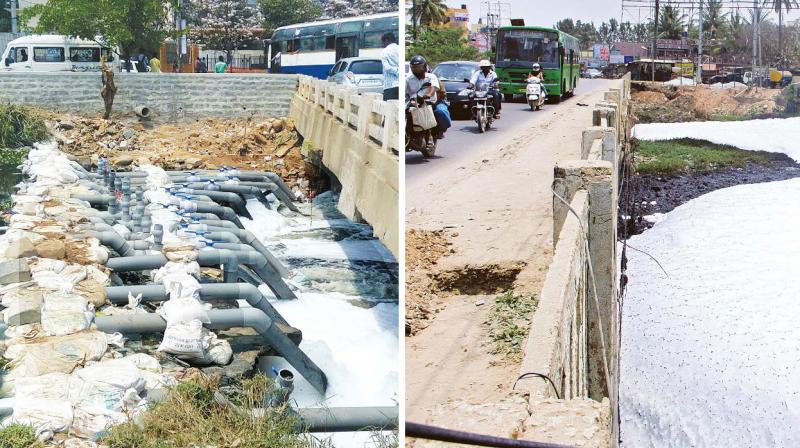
x=417, y=60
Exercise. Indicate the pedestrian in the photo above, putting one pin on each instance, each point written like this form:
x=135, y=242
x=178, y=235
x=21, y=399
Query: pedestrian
x=198, y=65
x=390, y=58
x=221, y=66
x=155, y=64
x=144, y=63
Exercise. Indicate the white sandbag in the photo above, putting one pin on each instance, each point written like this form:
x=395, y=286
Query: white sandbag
x=89, y=421
x=218, y=351
x=143, y=362
x=22, y=306
x=55, y=354
x=96, y=274
x=47, y=264
x=157, y=380
x=64, y=313
x=119, y=373
x=44, y=415
x=185, y=339
x=184, y=309
x=156, y=177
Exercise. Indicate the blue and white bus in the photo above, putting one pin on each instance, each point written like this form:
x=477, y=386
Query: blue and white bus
x=313, y=48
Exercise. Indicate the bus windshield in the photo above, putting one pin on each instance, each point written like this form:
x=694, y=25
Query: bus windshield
x=527, y=46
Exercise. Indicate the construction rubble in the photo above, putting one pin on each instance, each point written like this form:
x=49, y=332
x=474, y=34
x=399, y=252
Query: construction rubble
x=655, y=102
x=210, y=143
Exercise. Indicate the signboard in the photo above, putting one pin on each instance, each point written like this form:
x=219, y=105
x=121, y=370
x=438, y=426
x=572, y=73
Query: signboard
x=600, y=51
x=617, y=59
x=628, y=59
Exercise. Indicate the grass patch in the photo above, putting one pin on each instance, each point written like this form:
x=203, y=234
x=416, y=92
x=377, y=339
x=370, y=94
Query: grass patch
x=730, y=117
x=19, y=436
x=20, y=127
x=671, y=157
x=508, y=323
x=193, y=415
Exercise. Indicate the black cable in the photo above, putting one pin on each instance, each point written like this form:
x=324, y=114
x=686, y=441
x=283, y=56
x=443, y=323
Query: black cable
x=429, y=432
x=540, y=375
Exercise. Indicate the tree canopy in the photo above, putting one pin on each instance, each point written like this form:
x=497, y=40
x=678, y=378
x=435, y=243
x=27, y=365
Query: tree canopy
x=278, y=13
x=443, y=44
x=129, y=24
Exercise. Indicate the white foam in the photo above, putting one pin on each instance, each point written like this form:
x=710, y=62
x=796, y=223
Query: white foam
x=709, y=351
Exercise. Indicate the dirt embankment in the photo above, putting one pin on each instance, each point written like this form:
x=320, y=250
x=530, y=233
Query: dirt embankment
x=246, y=143
x=424, y=249
x=660, y=103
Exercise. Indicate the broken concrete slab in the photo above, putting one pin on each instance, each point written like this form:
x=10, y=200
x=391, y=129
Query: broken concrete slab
x=15, y=271
x=23, y=306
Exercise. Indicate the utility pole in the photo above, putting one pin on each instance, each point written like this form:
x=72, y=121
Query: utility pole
x=655, y=40
x=700, y=47
x=755, y=39
x=13, y=16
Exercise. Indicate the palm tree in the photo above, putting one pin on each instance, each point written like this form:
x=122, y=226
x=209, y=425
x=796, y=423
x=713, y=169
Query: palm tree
x=713, y=18
x=429, y=12
x=670, y=24
x=780, y=6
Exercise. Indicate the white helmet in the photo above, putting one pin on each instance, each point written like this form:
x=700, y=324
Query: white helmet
x=536, y=67
x=484, y=63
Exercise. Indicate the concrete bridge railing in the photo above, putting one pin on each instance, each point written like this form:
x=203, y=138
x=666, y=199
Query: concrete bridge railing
x=569, y=341
x=358, y=137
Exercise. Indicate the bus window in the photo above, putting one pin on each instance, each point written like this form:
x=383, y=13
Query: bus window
x=375, y=29
x=307, y=44
x=350, y=27
x=48, y=54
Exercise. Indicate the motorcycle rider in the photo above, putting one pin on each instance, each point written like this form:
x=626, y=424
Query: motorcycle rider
x=536, y=72
x=488, y=76
x=420, y=75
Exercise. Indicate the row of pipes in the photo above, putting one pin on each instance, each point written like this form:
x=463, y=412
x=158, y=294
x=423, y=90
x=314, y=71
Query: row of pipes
x=209, y=204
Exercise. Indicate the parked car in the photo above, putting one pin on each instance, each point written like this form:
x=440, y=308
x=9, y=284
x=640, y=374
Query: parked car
x=54, y=53
x=366, y=74
x=455, y=76
x=593, y=73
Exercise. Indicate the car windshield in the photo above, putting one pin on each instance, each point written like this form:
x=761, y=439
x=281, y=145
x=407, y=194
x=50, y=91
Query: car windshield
x=371, y=67
x=528, y=46
x=454, y=72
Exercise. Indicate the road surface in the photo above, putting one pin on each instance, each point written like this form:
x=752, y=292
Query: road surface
x=492, y=193
x=463, y=139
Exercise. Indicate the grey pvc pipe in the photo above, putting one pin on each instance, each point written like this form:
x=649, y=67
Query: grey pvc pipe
x=219, y=291
x=115, y=241
x=348, y=419
x=223, y=319
x=236, y=202
x=237, y=189
x=223, y=212
x=93, y=198
x=247, y=237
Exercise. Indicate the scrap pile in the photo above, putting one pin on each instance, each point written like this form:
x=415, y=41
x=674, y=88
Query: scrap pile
x=266, y=145
x=665, y=103
x=74, y=289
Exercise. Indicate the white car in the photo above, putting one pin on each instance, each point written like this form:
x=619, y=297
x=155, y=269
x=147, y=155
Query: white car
x=366, y=74
x=593, y=73
x=54, y=53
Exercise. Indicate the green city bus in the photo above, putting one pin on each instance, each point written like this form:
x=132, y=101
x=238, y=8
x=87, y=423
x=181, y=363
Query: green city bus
x=519, y=47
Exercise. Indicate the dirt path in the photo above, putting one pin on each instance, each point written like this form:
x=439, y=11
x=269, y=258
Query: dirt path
x=497, y=210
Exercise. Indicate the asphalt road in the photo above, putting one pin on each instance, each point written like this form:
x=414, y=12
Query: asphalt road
x=463, y=139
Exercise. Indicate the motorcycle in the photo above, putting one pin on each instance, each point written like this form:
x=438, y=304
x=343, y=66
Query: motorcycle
x=420, y=135
x=535, y=93
x=482, y=106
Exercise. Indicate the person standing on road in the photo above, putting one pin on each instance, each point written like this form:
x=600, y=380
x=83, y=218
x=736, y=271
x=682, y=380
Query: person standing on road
x=155, y=64
x=199, y=66
x=488, y=76
x=221, y=66
x=390, y=58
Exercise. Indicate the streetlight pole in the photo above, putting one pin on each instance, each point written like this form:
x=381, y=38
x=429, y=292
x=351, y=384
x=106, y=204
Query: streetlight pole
x=13, y=16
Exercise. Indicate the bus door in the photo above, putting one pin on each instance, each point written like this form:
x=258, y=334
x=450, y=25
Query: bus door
x=346, y=46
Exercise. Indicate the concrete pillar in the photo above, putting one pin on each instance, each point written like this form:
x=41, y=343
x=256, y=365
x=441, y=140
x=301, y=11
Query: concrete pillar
x=570, y=176
x=608, y=136
x=390, y=126
x=365, y=113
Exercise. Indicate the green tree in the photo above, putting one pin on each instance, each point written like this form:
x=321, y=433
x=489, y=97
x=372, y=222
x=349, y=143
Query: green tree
x=779, y=6
x=129, y=24
x=670, y=22
x=714, y=20
x=566, y=25
x=438, y=45
x=226, y=24
x=278, y=13
x=429, y=12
